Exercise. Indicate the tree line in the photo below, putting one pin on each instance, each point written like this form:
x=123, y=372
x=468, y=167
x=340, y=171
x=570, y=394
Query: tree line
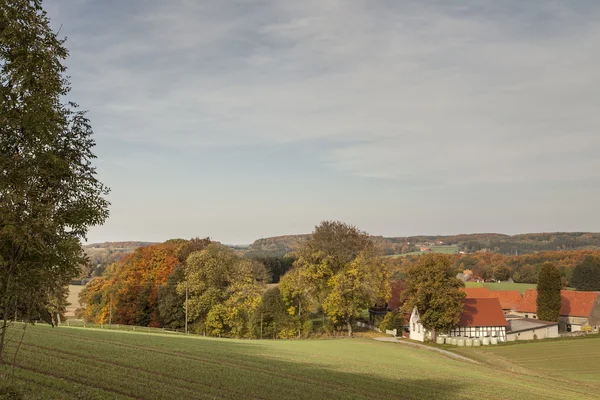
x=521, y=269
x=336, y=274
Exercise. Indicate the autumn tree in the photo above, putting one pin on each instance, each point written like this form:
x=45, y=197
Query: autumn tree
x=224, y=290
x=337, y=270
x=271, y=319
x=586, y=275
x=432, y=287
x=548, y=287
x=359, y=285
x=130, y=288
x=49, y=193
x=171, y=303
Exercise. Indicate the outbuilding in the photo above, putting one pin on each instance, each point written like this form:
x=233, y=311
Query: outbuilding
x=579, y=310
x=530, y=329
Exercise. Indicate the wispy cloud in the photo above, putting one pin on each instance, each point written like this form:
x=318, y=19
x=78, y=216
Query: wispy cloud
x=477, y=92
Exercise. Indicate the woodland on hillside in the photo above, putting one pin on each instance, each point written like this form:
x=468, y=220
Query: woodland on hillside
x=493, y=242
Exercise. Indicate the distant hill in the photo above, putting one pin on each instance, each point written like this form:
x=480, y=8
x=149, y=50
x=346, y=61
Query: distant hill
x=101, y=255
x=117, y=245
x=494, y=242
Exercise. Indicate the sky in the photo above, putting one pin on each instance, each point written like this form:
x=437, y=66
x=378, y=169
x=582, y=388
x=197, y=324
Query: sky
x=244, y=119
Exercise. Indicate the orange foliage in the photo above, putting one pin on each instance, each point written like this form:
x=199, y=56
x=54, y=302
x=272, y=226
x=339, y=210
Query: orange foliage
x=132, y=285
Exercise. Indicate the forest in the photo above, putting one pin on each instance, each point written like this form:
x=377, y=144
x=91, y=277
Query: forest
x=492, y=242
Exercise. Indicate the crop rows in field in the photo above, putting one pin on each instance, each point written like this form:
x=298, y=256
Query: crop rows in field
x=105, y=364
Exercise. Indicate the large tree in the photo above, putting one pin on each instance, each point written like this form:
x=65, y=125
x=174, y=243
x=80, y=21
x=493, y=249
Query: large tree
x=224, y=290
x=338, y=271
x=433, y=288
x=548, y=287
x=49, y=193
x=586, y=276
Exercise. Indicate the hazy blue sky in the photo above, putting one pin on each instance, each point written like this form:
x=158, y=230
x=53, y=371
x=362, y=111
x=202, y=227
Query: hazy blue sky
x=244, y=119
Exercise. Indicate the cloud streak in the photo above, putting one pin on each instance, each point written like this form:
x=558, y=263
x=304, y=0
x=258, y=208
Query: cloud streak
x=438, y=92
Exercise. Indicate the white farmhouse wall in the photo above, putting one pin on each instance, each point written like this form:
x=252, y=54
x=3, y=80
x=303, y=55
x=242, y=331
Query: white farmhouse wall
x=543, y=332
x=417, y=331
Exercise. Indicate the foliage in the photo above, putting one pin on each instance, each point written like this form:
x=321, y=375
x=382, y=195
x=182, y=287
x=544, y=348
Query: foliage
x=360, y=284
x=392, y=320
x=337, y=271
x=272, y=321
x=586, y=276
x=48, y=188
x=548, y=300
x=171, y=303
x=432, y=287
x=531, y=243
x=224, y=291
x=277, y=265
x=130, y=288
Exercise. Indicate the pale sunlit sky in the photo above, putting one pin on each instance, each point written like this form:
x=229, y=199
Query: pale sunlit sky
x=246, y=119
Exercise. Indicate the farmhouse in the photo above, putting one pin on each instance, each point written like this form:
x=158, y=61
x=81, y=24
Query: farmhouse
x=579, y=309
x=481, y=317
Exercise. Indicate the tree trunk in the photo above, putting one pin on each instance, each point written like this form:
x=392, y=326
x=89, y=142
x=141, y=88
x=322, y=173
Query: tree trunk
x=3, y=336
x=349, y=325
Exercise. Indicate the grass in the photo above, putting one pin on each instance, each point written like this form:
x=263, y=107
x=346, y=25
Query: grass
x=448, y=249
x=71, y=363
x=521, y=287
x=572, y=359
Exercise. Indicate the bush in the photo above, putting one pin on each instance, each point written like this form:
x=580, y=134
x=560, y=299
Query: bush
x=392, y=320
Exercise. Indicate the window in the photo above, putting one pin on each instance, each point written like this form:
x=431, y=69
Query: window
x=526, y=315
x=568, y=327
x=414, y=327
x=419, y=328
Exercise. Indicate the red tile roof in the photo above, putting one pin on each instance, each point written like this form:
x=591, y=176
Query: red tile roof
x=482, y=312
x=476, y=293
x=509, y=299
x=574, y=304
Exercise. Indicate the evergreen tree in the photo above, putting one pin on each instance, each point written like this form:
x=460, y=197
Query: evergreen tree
x=548, y=287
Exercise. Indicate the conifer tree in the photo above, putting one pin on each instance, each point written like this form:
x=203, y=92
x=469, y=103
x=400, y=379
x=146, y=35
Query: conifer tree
x=548, y=287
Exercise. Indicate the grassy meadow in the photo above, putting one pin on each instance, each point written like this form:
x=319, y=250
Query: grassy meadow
x=78, y=363
x=521, y=287
x=574, y=359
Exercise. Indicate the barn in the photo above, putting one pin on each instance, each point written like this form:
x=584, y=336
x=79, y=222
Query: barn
x=579, y=310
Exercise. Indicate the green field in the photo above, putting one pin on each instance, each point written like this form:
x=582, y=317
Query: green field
x=521, y=287
x=575, y=359
x=70, y=363
x=449, y=249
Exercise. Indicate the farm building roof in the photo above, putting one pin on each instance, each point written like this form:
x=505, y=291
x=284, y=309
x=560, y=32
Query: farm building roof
x=527, y=324
x=395, y=300
x=476, y=292
x=575, y=304
x=509, y=299
x=482, y=312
